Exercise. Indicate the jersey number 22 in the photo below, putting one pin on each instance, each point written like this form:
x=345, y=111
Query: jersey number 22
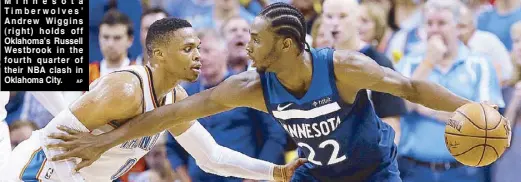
x=334, y=155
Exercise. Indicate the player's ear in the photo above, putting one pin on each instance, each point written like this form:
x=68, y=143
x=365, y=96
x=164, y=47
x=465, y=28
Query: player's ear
x=158, y=54
x=286, y=44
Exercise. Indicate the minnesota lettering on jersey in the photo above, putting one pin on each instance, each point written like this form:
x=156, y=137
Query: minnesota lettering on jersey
x=314, y=130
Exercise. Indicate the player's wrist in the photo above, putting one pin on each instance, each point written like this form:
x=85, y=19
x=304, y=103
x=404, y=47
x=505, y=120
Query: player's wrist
x=278, y=173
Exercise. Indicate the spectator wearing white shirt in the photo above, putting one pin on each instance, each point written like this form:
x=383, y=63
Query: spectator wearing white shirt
x=485, y=43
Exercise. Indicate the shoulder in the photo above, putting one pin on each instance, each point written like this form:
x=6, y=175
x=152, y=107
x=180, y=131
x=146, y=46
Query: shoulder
x=119, y=88
x=353, y=61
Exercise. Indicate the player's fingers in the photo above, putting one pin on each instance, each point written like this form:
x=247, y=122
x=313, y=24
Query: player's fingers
x=61, y=136
x=64, y=145
x=82, y=164
x=68, y=130
x=66, y=155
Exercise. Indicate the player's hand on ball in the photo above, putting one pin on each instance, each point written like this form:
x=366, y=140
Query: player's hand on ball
x=284, y=173
x=77, y=144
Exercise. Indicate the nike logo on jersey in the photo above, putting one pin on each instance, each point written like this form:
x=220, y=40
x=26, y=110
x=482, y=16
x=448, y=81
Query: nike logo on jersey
x=283, y=107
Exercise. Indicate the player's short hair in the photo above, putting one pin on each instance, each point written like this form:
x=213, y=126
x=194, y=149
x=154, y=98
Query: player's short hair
x=160, y=30
x=115, y=17
x=152, y=11
x=287, y=21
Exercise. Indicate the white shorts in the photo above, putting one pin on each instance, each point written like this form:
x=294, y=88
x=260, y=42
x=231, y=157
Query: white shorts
x=28, y=163
x=5, y=144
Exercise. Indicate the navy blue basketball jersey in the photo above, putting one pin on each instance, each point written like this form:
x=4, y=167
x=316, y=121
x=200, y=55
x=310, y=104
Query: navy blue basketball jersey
x=342, y=141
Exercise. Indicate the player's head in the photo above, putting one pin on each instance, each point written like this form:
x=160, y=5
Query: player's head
x=279, y=29
x=148, y=17
x=115, y=35
x=172, y=44
x=342, y=16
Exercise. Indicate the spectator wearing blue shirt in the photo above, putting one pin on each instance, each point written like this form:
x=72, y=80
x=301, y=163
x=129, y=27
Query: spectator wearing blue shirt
x=499, y=20
x=448, y=62
x=235, y=129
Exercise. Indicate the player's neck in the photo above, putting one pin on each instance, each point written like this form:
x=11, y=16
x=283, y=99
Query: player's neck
x=163, y=81
x=296, y=75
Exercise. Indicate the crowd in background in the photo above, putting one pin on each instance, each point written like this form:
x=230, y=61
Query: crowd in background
x=471, y=47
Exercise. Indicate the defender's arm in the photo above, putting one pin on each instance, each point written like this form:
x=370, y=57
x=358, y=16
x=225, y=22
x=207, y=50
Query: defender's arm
x=361, y=72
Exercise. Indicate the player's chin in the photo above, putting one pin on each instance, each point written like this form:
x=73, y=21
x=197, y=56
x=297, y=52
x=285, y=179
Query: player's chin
x=193, y=77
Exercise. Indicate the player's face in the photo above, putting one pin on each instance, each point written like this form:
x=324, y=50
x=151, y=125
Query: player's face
x=237, y=36
x=182, y=55
x=342, y=16
x=114, y=41
x=262, y=47
x=146, y=22
x=442, y=23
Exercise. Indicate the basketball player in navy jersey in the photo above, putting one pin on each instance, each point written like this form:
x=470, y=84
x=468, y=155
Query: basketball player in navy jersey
x=318, y=95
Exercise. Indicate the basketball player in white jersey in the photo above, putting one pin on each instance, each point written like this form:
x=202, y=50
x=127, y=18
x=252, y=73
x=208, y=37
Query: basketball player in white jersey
x=173, y=49
x=52, y=101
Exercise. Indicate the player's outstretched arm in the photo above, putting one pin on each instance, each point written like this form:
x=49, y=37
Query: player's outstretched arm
x=361, y=72
x=216, y=159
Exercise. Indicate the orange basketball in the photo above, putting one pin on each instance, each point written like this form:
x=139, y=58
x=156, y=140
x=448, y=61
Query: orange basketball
x=477, y=135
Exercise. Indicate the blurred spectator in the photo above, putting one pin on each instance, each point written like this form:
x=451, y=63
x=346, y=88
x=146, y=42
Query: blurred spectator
x=448, y=62
x=503, y=169
x=21, y=130
x=190, y=10
x=500, y=19
x=147, y=18
x=254, y=6
x=478, y=6
x=307, y=7
x=220, y=12
x=373, y=25
x=485, y=43
x=404, y=20
x=343, y=18
x=236, y=33
x=159, y=169
x=115, y=37
x=97, y=9
x=322, y=36
x=235, y=129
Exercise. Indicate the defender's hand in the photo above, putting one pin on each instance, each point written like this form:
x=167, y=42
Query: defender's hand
x=82, y=145
x=284, y=173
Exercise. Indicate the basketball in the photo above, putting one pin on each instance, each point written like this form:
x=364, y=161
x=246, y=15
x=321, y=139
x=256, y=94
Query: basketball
x=477, y=135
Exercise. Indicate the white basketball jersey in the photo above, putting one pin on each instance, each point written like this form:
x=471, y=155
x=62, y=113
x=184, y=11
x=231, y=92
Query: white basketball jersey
x=118, y=160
